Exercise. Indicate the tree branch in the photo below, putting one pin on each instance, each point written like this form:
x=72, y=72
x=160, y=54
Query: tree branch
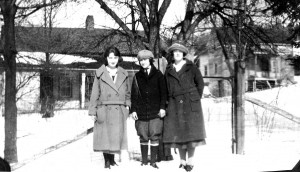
x=39, y=5
x=163, y=9
x=143, y=16
x=132, y=35
x=225, y=53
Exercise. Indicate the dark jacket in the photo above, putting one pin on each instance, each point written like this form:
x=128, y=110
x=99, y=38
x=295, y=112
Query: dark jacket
x=184, y=121
x=150, y=95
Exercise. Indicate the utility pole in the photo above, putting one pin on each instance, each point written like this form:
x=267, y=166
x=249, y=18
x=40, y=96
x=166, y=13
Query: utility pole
x=239, y=88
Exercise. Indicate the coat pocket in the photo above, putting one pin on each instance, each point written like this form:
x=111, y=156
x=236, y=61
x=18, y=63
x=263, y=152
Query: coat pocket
x=101, y=115
x=125, y=110
x=195, y=101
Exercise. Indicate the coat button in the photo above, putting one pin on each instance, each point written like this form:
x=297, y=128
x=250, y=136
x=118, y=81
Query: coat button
x=180, y=101
x=109, y=95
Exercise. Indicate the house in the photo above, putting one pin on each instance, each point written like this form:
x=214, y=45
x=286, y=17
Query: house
x=43, y=83
x=264, y=67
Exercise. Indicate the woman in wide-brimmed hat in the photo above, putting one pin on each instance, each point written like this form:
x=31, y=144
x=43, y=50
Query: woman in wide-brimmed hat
x=184, y=124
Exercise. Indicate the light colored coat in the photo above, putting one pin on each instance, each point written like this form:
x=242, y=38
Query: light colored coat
x=108, y=103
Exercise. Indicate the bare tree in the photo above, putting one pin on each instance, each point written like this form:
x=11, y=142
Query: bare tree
x=10, y=10
x=149, y=16
x=238, y=25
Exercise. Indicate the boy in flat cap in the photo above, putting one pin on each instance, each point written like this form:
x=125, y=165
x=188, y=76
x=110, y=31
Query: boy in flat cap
x=148, y=97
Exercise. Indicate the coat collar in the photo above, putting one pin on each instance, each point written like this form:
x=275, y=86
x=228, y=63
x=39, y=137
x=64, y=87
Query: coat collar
x=153, y=70
x=171, y=70
x=102, y=73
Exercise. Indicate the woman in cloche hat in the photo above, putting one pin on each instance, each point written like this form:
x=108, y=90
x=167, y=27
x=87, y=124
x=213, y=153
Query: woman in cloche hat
x=184, y=124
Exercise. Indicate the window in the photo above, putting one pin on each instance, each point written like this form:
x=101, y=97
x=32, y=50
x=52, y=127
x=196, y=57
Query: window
x=46, y=86
x=65, y=86
x=88, y=86
x=274, y=65
x=205, y=70
x=264, y=64
x=216, y=68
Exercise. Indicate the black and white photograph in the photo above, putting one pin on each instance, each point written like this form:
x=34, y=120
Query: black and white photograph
x=149, y=85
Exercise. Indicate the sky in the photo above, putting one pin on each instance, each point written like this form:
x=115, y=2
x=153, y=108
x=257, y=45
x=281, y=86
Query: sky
x=74, y=15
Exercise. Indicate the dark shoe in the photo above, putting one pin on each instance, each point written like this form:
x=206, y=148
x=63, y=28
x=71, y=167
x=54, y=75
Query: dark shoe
x=112, y=160
x=107, y=165
x=113, y=163
x=106, y=160
x=159, y=159
x=169, y=158
x=189, y=167
x=182, y=166
x=154, y=165
x=144, y=164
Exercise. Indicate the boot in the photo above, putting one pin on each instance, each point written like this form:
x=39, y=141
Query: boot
x=154, y=152
x=168, y=155
x=111, y=158
x=188, y=168
x=144, y=151
x=160, y=154
x=106, y=160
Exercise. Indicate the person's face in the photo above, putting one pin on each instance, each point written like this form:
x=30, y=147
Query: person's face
x=178, y=55
x=112, y=60
x=145, y=63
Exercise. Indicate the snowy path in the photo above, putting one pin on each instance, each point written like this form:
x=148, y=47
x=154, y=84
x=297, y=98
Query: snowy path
x=79, y=156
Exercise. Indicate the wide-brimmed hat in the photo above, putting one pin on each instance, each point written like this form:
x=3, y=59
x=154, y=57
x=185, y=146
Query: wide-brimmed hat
x=177, y=46
x=145, y=54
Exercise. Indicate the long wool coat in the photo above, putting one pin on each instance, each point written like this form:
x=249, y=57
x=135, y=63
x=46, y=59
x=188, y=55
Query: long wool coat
x=108, y=102
x=184, y=121
x=148, y=94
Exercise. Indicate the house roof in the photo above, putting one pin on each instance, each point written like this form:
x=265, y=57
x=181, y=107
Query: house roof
x=77, y=66
x=96, y=65
x=73, y=41
x=254, y=36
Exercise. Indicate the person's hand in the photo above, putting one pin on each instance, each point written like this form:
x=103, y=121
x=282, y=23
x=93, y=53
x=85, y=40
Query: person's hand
x=93, y=118
x=162, y=113
x=134, y=116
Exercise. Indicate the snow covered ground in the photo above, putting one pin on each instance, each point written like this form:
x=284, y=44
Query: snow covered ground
x=272, y=142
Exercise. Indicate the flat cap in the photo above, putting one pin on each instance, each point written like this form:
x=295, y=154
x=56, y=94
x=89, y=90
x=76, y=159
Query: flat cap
x=145, y=54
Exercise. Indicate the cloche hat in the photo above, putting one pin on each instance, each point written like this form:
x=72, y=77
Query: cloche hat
x=177, y=46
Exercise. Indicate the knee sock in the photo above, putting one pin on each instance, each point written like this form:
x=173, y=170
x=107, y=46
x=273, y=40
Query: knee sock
x=154, y=151
x=144, y=152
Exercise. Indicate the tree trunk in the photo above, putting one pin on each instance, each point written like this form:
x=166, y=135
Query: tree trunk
x=9, y=47
x=239, y=107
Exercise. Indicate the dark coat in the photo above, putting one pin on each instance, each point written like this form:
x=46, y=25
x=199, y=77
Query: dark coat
x=107, y=102
x=151, y=94
x=184, y=121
